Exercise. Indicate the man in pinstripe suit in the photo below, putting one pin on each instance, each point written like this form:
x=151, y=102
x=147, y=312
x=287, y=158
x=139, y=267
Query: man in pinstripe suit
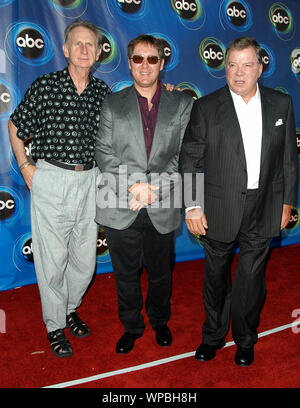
x=243, y=138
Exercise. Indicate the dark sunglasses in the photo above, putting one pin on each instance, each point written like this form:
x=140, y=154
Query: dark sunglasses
x=138, y=59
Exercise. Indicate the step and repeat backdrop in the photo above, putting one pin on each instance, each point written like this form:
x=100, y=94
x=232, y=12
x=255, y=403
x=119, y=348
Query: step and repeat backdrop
x=195, y=32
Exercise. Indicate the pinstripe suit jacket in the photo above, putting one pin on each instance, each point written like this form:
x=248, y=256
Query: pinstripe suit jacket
x=213, y=145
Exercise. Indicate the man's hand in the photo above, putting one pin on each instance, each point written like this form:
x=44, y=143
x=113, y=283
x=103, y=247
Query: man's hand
x=169, y=87
x=196, y=221
x=286, y=215
x=143, y=195
x=27, y=174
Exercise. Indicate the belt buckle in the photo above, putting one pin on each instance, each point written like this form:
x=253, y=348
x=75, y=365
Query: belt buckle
x=78, y=167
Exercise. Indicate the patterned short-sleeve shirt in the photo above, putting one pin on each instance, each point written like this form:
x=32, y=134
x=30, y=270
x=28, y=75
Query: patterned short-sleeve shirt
x=63, y=125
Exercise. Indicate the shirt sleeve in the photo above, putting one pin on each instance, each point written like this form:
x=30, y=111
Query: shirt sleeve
x=25, y=116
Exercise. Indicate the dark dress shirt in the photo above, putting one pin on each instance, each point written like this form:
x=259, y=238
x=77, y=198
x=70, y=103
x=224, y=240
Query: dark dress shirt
x=149, y=117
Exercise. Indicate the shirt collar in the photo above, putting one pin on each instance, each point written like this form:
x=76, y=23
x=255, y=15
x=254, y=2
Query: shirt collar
x=66, y=75
x=156, y=97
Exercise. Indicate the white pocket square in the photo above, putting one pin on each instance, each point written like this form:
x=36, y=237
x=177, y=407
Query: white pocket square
x=279, y=122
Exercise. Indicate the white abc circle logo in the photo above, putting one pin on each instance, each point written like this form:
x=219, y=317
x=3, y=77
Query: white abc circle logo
x=298, y=143
x=106, y=47
x=130, y=6
x=7, y=205
x=183, y=5
x=27, y=250
x=213, y=55
x=295, y=60
x=30, y=43
x=137, y=2
x=293, y=219
x=101, y=242
x=102, y=246
x=278, y=18
x=5, y=99
x=235, y=12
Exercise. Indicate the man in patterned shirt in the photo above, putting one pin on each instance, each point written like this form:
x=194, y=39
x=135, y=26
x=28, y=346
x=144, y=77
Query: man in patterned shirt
x=60, y=111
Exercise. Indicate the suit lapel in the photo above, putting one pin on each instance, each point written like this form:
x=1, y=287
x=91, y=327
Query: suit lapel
x=131, y=110
x=267, y=107
x=166, y=111
x=228, y=120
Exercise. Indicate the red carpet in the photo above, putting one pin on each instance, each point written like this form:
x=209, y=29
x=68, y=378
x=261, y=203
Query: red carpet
x=26, y=359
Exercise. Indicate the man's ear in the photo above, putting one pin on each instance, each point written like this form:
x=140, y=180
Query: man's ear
x=65, y=50
x=162, y=64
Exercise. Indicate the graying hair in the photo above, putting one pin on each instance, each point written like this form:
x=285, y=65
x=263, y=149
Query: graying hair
x=244, y=42
x=86, y=24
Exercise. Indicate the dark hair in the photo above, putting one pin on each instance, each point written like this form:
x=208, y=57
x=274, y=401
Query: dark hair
x=245, y=42
x=147, y=39
x=86, y=24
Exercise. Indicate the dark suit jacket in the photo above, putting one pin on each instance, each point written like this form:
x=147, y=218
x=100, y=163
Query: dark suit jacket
x=122, y=158
x=213, y=145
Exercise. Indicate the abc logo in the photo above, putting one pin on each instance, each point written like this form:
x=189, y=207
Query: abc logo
x=265, y=59
x=280, y=19
x=213, y=55
x=296, y=63
x=236, y=13
x=293, y=219
x=5, y=99
x=27, y=250
x=30, y=43
x=102, y=247
x=106, y=49
x=7, y=205
x=167, y=50
x=130, y=6
x=187, y=9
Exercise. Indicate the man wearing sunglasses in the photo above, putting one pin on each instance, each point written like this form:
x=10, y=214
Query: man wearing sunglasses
x=137, y=151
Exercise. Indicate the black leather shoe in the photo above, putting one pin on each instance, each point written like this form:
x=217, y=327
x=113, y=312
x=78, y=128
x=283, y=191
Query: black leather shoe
x=244, y=356
x=205, y=352
x=163, y=335
x=126, y=342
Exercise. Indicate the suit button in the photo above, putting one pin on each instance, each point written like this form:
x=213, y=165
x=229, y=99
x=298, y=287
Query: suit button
x=243, y=192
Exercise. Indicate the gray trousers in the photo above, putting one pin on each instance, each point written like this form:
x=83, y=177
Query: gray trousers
x=64, y=234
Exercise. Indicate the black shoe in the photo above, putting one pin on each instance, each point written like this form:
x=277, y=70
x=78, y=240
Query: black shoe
x=244, y=356
x=126, y=342
x=77, y=327
x=60, y=346
x=205, y=352
x=163, y=335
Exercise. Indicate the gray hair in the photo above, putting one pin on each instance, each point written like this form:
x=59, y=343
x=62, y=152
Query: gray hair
x=244, y=42
x=86, y=24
